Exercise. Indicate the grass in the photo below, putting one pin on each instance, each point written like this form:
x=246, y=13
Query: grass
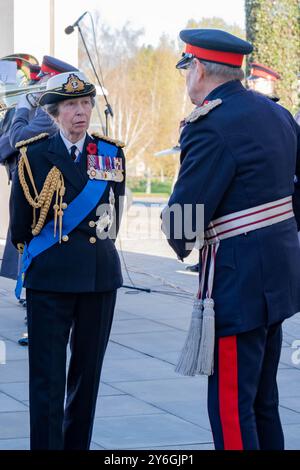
x=138, y=194
x=158, y=188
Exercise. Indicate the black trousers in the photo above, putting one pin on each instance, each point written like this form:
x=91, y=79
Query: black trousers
x=51, y=318
x=242, y=392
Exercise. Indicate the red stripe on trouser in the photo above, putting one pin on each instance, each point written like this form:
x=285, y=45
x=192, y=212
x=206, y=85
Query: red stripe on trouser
x=228, y=393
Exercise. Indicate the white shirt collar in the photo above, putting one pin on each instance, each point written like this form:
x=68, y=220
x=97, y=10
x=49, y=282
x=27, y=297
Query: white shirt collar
x=69, y=144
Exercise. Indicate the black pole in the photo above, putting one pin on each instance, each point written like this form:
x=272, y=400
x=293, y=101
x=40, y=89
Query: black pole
x=108, y=110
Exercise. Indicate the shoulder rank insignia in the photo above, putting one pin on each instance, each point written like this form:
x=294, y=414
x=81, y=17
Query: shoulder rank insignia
x=118, y=143
x=202, y=110
x=22, y=143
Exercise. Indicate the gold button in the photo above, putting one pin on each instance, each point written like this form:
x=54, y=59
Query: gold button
x=92, y=223
x=93, y=240
x=20, y=247
x=65, y=238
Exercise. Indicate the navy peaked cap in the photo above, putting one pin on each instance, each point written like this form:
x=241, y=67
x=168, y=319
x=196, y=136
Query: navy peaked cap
x=214, y=45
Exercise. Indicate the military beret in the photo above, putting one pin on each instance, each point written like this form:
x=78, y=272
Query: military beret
x=213, y=45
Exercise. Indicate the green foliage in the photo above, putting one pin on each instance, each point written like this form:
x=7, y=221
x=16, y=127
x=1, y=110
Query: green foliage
x=273, y=27
x=138, y=185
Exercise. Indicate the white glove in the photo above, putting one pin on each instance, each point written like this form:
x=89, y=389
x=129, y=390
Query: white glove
x=24, y=103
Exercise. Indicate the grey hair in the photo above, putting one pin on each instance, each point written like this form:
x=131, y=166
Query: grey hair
x=53, y=108
x=224, y=72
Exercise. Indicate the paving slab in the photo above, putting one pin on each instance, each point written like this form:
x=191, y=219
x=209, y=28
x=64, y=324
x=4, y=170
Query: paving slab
x=15, y=444
x=135, y=432
x=123, y=405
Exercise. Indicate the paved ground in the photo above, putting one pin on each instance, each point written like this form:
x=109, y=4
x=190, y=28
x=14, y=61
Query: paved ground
x=142, y=403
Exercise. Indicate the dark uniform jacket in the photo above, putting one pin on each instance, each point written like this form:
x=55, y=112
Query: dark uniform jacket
x=244, y=153
x=84, y=263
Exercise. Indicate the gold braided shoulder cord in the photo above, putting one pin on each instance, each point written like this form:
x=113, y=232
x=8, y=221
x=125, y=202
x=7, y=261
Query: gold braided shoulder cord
x=54, y=183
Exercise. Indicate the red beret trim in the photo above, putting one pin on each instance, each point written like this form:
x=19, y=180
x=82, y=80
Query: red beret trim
x=46, y=69
x=229, y=58
x=261, y=74
x=34, y=76
x=259, y=70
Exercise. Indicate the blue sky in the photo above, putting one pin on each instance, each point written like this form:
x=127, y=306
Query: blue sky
x=159, y=16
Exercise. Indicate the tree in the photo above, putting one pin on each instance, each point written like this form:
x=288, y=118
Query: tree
x=217, y=23
x=146, y=92
x=273, y=27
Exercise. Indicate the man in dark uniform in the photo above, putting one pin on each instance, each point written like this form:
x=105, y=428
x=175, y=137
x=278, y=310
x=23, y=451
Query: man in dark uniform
x=71, y=266
x=239, y=155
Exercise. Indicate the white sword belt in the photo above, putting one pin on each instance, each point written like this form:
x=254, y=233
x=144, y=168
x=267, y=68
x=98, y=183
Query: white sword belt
x=239, y=223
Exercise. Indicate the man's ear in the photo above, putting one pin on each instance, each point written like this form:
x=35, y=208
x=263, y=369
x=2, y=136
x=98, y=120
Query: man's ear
x=200, y=69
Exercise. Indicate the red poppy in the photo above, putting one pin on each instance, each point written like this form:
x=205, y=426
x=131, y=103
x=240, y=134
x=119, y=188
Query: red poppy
x=92, y=149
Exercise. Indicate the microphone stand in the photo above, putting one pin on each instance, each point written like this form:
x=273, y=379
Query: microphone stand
x=108, y=110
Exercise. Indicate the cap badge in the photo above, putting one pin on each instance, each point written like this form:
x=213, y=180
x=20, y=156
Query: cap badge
x=74, y=84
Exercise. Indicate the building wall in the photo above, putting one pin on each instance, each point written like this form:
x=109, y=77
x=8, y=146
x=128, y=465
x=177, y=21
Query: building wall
x=6, y=26
x=35, y=36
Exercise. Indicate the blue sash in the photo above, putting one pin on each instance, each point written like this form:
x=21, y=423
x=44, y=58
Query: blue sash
x=76, y=211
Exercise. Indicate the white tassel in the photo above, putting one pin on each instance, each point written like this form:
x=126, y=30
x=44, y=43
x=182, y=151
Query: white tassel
x=205, y=365
x=187, y=362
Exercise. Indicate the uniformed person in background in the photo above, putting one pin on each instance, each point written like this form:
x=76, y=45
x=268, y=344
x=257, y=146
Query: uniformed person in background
x=239, y=154
x=263, y=79
x=71, y=266
x=30, y=119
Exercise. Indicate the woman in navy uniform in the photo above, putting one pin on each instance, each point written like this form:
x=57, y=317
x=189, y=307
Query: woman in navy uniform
x=239, y=154
x=71, y=268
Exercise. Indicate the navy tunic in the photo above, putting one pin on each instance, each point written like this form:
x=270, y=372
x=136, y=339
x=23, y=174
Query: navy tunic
x=242, y=154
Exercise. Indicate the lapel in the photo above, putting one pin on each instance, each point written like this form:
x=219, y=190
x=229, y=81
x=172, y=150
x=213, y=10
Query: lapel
x=82, y=165
x=59, y=156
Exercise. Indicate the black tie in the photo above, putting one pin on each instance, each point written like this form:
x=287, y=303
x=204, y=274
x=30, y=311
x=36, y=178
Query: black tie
x=73, y=152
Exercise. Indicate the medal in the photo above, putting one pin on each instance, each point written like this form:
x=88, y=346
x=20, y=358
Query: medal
x=106, y=168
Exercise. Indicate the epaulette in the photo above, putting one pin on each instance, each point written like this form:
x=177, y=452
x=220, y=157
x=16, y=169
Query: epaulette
x=118, y=143
x=203, y=110
x=22, y=143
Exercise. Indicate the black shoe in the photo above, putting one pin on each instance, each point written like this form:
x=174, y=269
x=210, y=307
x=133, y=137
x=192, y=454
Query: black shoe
x=193, y=269
x=24, y=340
